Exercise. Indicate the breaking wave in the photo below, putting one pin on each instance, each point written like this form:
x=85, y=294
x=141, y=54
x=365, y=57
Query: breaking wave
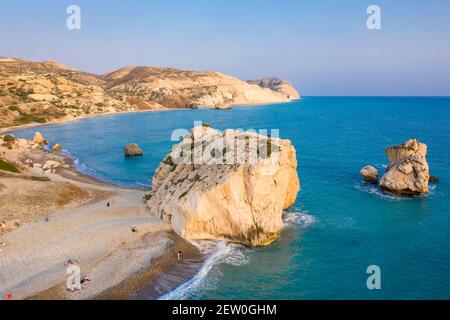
x=377, y=191
x=220, y=253
x=293, y=218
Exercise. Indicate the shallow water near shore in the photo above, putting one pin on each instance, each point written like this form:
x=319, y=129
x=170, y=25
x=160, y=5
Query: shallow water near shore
x=338, y=225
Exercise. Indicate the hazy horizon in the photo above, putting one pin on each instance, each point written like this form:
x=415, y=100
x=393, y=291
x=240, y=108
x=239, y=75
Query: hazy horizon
x=323, y=49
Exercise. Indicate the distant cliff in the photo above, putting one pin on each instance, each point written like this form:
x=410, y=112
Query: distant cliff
x=278, y=85
x=43, y=92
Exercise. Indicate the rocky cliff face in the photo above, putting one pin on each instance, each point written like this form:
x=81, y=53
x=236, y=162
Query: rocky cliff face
x=408, y=171
x=278, y=85
x=226, y=185
x=186, y=89
x=40, y=92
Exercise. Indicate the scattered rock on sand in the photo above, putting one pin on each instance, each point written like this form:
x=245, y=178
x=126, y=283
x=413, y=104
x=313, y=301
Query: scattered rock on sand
x=234, y=199
x=50, y=164
x=370, y=174
x=408, y=171
x=133, y=150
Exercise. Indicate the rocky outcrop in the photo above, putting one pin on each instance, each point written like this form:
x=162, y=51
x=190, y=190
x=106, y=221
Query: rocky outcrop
x=408, y=171
x=12, y=143
x=434, y=179
x=57, y=148
x=133, y=150
x=279, y=85
x=39, y=139
x=370, y=174
x=227, y=185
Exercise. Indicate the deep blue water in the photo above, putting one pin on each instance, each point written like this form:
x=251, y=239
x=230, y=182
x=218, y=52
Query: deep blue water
x=338, y=226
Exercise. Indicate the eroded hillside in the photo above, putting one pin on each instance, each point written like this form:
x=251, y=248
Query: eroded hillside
x=45, y=92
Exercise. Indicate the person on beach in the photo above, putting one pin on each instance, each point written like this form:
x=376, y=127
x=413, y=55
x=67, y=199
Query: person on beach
x=73, y=282
x=179, y=255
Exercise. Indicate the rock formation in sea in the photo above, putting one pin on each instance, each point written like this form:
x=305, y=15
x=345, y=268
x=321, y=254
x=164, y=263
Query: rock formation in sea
x=133, y=150
x=407, y=171
x=228, y=185
x=370, y=174
x=57, y=148
x=434, y=179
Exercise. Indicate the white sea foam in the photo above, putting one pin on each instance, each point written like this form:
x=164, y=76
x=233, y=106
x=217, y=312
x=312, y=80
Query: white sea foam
x=79, y=165
x=220, y=253
x=208, y=275
x=293, y=218
x=377, y=191
x=146, y=185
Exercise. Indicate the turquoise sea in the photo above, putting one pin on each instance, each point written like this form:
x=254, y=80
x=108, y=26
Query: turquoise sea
x=338, y=226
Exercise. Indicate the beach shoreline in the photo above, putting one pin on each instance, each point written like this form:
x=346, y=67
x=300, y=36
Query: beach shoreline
x=9, y=129
x=96, y=231
x=138, y=283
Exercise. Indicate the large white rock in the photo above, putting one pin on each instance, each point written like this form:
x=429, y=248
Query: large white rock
x=236, y=194
x=408, y=171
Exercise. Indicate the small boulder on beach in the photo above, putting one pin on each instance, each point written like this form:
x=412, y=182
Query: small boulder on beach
x=50, y=164
x=133, y=150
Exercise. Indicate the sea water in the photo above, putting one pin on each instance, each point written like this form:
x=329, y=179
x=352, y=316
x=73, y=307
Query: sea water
x=338, y=226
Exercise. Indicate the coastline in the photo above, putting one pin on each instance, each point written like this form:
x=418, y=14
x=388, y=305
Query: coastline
x=156, y=276
x=120, y=264
x=8, y=129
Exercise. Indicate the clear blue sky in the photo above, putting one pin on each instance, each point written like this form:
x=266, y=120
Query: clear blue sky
x=322, y=46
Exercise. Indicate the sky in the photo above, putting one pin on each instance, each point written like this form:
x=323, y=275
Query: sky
x=323, y=47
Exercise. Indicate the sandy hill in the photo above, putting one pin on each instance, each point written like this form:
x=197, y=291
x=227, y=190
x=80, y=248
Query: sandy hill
x=43, y=92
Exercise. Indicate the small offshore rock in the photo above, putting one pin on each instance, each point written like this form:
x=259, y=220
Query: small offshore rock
x=434, y=179
x=133, y=150
x=370, y=174
x=57, y=148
